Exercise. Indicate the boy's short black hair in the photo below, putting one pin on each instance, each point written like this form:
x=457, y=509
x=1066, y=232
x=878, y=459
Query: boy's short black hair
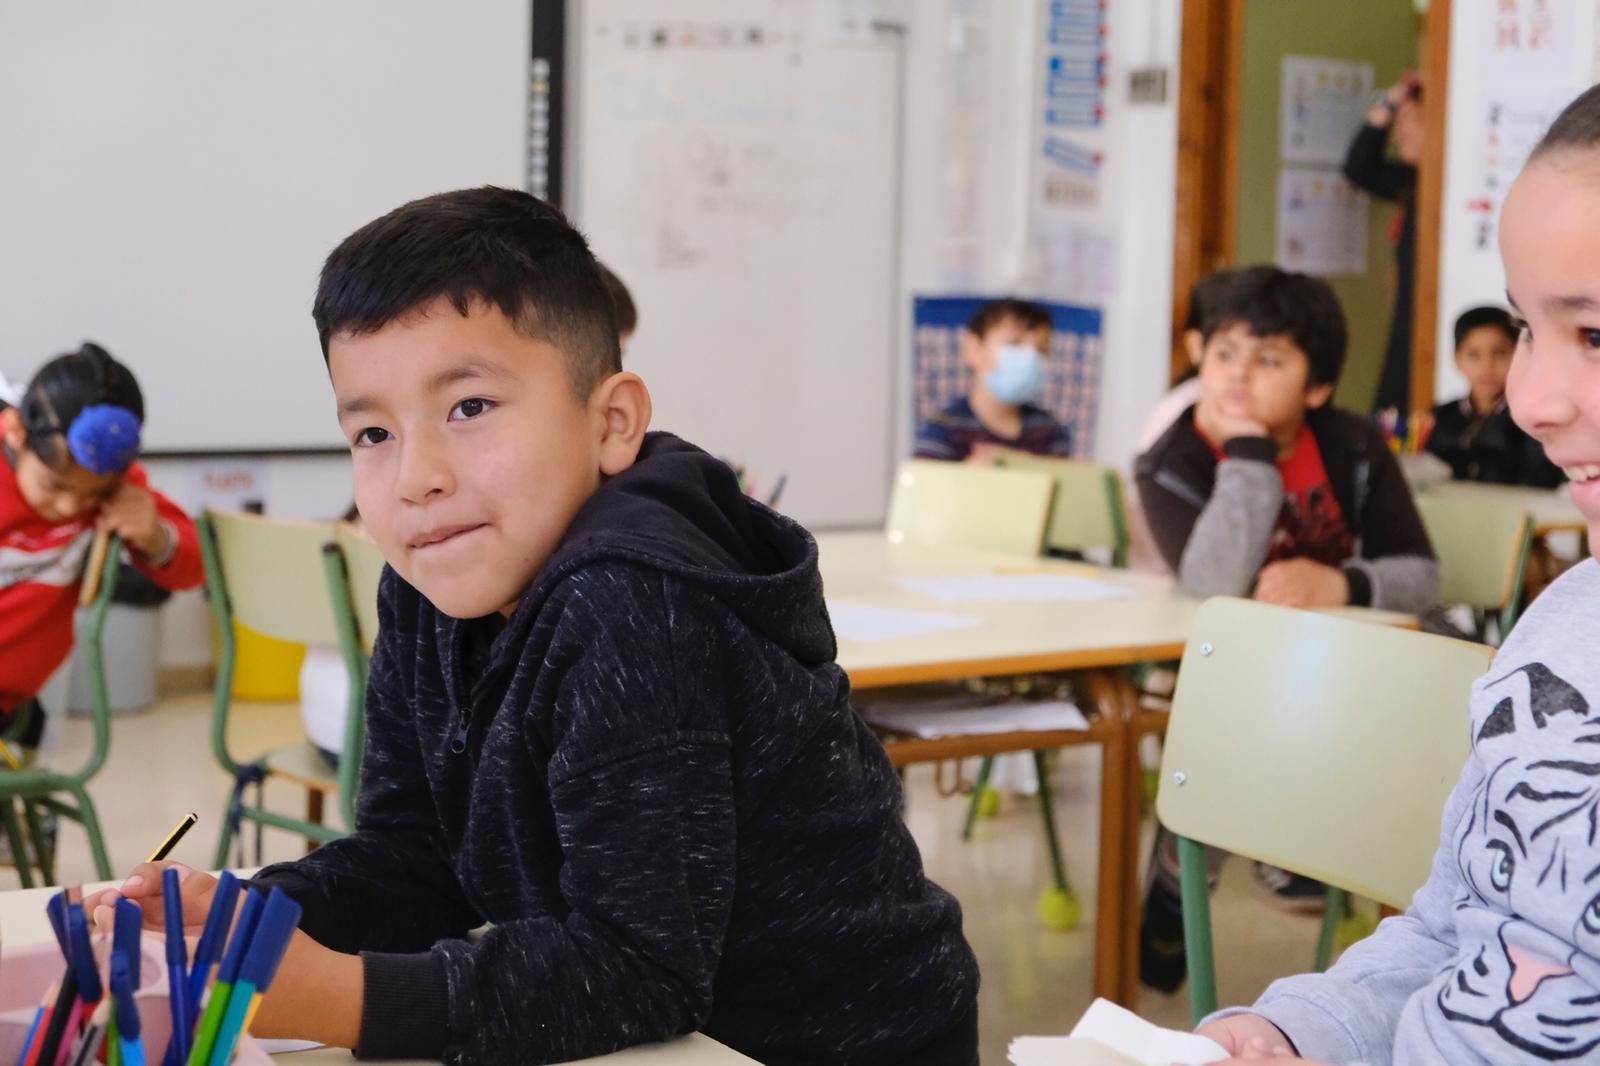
x=504, y=248
x=621, y=300
x=1578, y=125
x=1032, y=316
x=1480, y=317
x=1270, y=302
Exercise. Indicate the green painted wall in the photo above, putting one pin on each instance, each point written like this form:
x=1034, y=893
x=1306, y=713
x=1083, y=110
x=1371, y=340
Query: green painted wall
x=1380, y=32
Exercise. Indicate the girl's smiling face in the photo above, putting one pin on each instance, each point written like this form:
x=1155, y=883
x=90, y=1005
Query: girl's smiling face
x=1549, y=236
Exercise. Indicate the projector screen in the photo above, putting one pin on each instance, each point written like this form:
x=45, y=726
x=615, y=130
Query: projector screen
x=174, y=173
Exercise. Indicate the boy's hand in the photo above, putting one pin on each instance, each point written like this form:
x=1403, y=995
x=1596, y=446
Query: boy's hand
x=984, y=454
x=1302, y=583
x=1220, y=426
x=1248, y=1036
x=317, y=994
x=143, y=887
x=131, y=514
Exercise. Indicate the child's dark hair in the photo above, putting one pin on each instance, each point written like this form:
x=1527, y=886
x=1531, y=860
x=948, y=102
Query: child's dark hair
x=1479, y=318
x=1578, y=125
x=66, y=385
x=487, y=245
x=1031, y=315
x=621, y=300
x=1270, y=302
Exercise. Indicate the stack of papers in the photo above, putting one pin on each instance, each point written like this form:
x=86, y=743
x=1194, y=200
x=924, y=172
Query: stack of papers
x=1108, y=1035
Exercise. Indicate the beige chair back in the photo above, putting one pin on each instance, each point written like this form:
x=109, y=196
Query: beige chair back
x=972, y=506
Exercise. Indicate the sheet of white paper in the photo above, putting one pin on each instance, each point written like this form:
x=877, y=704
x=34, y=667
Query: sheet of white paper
x=1064, y=1051
x=934, y=720
x=1124, y=1031
x=864, y=622
x=287, y=1047
x=1014, y=588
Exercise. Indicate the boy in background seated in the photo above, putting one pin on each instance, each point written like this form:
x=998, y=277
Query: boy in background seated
x=1005, y=346
x=1476, y=434
x=1261, y=489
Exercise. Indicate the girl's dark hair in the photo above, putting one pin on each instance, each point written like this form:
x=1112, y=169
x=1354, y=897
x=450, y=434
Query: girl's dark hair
x=1578, y=125
x=63, y=387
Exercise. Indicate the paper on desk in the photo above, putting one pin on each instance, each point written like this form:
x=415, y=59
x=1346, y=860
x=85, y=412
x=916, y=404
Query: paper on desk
x=1014, y=588
x=865, y=622
x=967, y=720
x=1109, y=1035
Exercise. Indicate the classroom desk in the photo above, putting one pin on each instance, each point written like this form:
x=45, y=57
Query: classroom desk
x=23, y=922
x=1552, y=510
x=1096, y=639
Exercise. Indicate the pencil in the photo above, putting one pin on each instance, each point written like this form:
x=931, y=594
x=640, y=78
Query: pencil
x=173, y=837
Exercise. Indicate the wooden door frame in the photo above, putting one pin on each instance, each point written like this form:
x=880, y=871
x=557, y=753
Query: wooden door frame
x=1206, y=193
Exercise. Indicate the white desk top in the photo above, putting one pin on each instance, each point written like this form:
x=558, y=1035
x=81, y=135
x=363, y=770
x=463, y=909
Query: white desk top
x=23, y=922
x=1151, y=622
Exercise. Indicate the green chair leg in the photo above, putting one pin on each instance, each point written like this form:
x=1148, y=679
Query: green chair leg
x=1335, y=908
x=1196, y=889
x=1047, y=808
x=985, y=767
x=225, y=840
x=41, y=842
x=91, y=829
x=13, y=831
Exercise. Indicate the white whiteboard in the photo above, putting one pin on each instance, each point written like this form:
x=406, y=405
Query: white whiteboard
x=173, y=172
x=737, y=164
x=1508, y=82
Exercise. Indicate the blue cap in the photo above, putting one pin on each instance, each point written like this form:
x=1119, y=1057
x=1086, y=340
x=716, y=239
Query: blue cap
x=56, y=909
x=172, y=901
x=243, y=930
x=122, y=986
x=279, y=921
x=217, y=920
x=104, y=439
x=89, y=988
x=127, y=936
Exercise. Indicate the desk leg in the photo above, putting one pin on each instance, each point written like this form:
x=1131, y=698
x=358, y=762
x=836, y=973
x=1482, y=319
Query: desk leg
x=1140, y=724
x=1112, y=895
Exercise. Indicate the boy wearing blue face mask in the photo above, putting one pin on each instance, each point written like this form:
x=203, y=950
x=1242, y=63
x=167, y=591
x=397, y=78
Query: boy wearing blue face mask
x=1004, y=346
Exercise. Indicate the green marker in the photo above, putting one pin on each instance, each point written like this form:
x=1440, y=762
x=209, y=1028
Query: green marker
x=205, y=1036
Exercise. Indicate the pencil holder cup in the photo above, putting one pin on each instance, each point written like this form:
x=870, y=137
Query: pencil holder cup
x=25, y=973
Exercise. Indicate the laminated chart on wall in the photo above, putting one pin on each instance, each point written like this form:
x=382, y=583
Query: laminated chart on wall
x=1075, y=65
x=1072, y=374
x=1324, y=104
x=1322, y=223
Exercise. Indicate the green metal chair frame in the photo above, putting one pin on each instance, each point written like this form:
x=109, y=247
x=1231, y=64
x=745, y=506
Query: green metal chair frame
x=66, y=794
x=1294, y=736
x=299, y=762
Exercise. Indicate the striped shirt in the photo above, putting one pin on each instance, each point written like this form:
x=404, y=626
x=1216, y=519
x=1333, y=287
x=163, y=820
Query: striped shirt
x=952, y=433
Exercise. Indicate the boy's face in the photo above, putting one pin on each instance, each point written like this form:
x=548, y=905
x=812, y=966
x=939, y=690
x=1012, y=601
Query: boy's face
x=470, y=454
x=1408, y=132
x=1259, y=379
x=1548, y=232
x=981, y=354
x=1484, y=359
x=55, y=495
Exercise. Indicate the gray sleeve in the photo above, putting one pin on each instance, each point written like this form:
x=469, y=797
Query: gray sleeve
x=1229, y=542
x=1407, y=583
x=1350, y=1013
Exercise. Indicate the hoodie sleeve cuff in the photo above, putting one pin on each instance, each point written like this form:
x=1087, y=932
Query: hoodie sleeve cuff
x=406, y=1010
x=1360, y=581
x=1255, y=449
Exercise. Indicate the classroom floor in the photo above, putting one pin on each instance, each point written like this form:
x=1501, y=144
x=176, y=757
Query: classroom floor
x=1034, y=981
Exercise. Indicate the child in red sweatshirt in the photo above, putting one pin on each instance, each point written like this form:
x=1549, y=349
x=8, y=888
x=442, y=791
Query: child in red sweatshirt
x=69, y=444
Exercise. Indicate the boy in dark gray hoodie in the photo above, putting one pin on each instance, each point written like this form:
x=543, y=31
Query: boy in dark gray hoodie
x=604, y=718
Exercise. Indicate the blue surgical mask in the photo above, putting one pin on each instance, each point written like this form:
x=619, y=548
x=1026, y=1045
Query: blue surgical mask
x=1018, y=374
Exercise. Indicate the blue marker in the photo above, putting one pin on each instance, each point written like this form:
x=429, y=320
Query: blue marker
x=278, y=923
x=177, y=967
x=126, y=935
x=90, y=990
x=211, y=1021
x=57, y=911
x=128, y=1024
x=212, y=939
